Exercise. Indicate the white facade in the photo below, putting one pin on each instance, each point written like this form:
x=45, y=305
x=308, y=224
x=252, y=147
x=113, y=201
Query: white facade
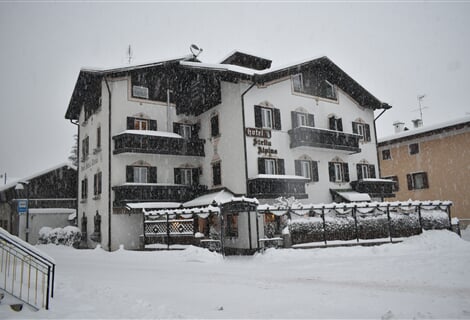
x=233, y=149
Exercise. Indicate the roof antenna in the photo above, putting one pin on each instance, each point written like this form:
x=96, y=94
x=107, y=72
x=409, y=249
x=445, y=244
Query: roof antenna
x=195, y=50
x=419, y=122
x=129, y=54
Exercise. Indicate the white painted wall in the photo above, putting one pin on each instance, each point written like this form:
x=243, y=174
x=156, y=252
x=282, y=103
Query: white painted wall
x=38, y=218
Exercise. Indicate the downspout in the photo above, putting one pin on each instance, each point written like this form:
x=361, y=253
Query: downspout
x=78, y=168
x=244, y=137
x=109, y=165
x=376, y=139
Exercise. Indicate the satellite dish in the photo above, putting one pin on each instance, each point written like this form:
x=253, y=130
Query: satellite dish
x=195, y=50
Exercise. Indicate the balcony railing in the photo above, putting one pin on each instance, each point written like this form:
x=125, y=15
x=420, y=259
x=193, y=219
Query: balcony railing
x=323, y=138
x=375, y=187
x=270, y=187
x=155, y=192
x=157, y=144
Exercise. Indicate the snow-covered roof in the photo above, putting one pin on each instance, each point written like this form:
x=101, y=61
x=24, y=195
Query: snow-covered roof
x=221, y=67
x=354, y=196
x=153, y=205
x=242, y=52
x=38, y=174
x=278, y=176
x=51, y=210
x=425, y=129
x=151, y=133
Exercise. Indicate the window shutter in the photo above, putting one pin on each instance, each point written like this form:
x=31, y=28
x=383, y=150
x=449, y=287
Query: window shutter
x=195, y=177
x=215, y=126
x=315, y=171
x=153, y=125
x=298, y=169
x=367, y=132
x=258, y=119
x=311, y=120
x=130, y=123
x=354, y=126
x=346, y=172
x=340, y=124
x=176, y=127
x=177, y=176
x=152, y=172
x=331, y=121
x=425, y=180
x=331, y=171
x=359, y=171
x=195, y=131
x=95, y=184
x=261, y=166
x=294, y=119
x=277, y=119
x=280, y=166
x=99, y=182
x=372, y=171
x=129, y=174
x=409, y=180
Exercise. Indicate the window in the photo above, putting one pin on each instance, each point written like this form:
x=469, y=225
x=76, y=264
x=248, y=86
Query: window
x=302, y=119
x=97, y=184
x=362, y=129
x=270, y=166
x=269, y=118
x=140, y=92
x=311, y=83
x=297, y=83
x=339, y=171
x=185, y=131
x=141, y=124
x=335, y=124
x=98, y=137
x=386, y=154
x=84, y=188
x=231, y=225
x=85, y=148
x=215, y=126
x=187, y=176
x=216, y=174
x=365, y=171
x=414, y=148
x=307, y=169
x=141, y=174
x=417, y=181
x=396, y=186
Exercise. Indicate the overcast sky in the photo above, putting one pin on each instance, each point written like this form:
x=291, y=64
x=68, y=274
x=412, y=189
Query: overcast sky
x=397, y=51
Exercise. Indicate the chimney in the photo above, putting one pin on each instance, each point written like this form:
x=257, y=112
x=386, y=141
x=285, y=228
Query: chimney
x=399, y=126
x=417, y=123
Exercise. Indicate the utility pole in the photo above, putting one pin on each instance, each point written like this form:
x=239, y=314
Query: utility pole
x=129, y=54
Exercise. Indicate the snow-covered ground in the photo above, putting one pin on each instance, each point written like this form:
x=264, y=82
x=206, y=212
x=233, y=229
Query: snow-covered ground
x=426, y=276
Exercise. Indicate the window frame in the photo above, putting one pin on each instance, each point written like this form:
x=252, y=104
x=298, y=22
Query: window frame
x=231, y=225
x=217, y=173
x=185, y=130
x=412, y=180
x=137, y=178
x=138, y=124
x=413, y=148
x=388, y=153
x=215, y=126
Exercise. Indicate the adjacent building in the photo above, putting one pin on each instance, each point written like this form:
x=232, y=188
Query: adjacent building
x=170, y=131
x=430, y=163
x=49, y=195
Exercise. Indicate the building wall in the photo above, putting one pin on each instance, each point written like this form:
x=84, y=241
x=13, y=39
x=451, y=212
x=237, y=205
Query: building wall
x=445, y=158
x=47, y=217
x=280, y=95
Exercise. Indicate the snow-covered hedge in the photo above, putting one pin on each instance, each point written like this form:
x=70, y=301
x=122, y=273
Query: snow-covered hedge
x=68, y=236
x=372, y=225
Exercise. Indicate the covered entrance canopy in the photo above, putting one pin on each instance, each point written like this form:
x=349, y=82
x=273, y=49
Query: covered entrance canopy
x=205, y=220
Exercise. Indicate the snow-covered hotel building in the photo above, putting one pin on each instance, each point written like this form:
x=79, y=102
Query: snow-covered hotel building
x=173, y=130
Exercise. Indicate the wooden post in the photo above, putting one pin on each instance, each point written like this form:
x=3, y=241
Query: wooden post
x=324, y=223
x=167, y=231
x=354, y=213
x=257, y=229
x=389, y=223
x=419, y=216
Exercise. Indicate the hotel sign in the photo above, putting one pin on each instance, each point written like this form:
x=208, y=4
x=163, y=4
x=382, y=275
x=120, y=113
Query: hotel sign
x=258, y=133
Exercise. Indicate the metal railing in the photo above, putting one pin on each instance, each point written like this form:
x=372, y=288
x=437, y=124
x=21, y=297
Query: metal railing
x=26, y=274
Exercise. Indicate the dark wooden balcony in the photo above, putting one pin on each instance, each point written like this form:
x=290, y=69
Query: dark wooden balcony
x=153, y=192
x=377, y=188
x=323, y=138
x=282, y=186
x=156, y=144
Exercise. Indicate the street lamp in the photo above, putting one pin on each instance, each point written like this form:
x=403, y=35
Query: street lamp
x=19, y=187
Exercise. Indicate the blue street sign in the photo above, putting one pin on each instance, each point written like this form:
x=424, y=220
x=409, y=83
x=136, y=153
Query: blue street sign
x=22, y=206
